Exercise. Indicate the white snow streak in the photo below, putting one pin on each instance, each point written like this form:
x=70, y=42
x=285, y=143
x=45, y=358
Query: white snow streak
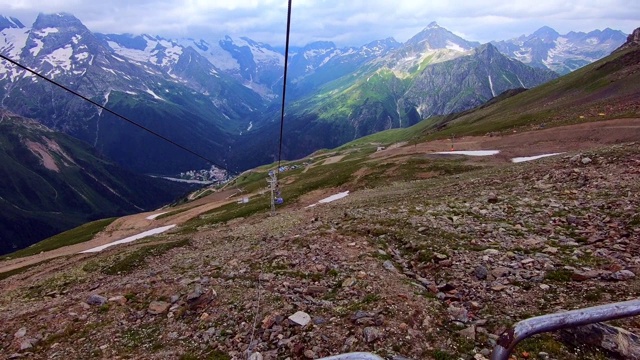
x=491, y=86
x=529, y=158
x=61, y=57
x=331, y=198
x=154, y=216
x=130, y=239
x=470, y=152
x=36, y=49
x=46, y=31
x=250, y=125
x=155, y=96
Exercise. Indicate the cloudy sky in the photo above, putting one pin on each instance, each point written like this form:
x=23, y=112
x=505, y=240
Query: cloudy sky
x=350, y=22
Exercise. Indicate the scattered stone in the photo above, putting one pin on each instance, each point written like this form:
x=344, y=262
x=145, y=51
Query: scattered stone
x=158, y=307
x=371, y=334
x=500, y=272
x=620, y=342
x=349, y=343
x=527, y=261
x=586, y=160
x=469, y=332
x=585, y=275
x=622, y=275
x=96, y=300
x=120, y=300
x=440, y=257
x=544, y=287
x=301, y=318
x=309, y=354
x=492, y=198
x=361, y=314
x=27, y=344
x=348, y=282
x=459, y=314
x=196, y=293
x=20, y=333
x=256, y=356
x=269, y=321
x=315, y=289
x=550, y=250
x=389, y=266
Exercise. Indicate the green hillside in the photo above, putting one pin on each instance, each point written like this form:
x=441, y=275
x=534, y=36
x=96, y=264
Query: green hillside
x=50, y=182
x=606, y=89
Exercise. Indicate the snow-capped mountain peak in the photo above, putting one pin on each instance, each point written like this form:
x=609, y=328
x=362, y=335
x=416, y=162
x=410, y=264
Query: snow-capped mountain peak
x=435, y=37
x=433, y=25
x=146, y=49
x=546, y=48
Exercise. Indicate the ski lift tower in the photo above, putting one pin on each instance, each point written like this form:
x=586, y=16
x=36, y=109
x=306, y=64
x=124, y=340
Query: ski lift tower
x=273, y=182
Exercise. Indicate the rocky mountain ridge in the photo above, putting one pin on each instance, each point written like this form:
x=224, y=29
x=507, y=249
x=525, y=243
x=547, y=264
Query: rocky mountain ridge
x=546, y=48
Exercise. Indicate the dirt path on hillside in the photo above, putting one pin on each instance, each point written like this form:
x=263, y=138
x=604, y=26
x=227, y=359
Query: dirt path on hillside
x=553, y=140
x=333, y=159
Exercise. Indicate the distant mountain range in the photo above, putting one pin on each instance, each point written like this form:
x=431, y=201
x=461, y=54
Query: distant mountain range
x=222, y=97
x=546, y=48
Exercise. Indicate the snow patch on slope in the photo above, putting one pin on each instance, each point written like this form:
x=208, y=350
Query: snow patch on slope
x=453, y=46
x=530, y=158
x=13, y=41
x=155, y=96
x=493, y=92
x=130, y=239
x=61, y=57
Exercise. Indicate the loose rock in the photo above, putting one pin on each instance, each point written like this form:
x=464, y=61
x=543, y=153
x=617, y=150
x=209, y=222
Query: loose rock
x=158, y=307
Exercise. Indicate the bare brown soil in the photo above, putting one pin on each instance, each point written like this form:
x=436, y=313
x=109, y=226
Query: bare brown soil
x=531, y=143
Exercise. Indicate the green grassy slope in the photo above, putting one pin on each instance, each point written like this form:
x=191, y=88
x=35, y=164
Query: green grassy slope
x=37, y=202
x=608, y=88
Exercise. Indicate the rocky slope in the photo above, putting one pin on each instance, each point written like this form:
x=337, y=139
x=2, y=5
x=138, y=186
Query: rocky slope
x=432, y=268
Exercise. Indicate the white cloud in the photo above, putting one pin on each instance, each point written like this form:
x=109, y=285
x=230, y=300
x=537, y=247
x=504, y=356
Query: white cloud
x=353, y=22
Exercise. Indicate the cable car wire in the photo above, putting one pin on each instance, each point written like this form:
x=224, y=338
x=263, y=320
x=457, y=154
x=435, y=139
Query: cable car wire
x=284, y=85
x=122, y=117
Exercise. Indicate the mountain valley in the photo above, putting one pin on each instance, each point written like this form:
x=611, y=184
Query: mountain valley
x=431, y=254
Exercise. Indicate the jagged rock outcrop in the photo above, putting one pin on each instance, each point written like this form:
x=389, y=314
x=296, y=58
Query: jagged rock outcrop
x=618, y=342
x=632, y=40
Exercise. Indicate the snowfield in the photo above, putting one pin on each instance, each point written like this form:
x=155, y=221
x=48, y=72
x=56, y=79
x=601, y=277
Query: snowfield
x=331, y=198
x=130, y=239
x=470, y=152
x=530, y=158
